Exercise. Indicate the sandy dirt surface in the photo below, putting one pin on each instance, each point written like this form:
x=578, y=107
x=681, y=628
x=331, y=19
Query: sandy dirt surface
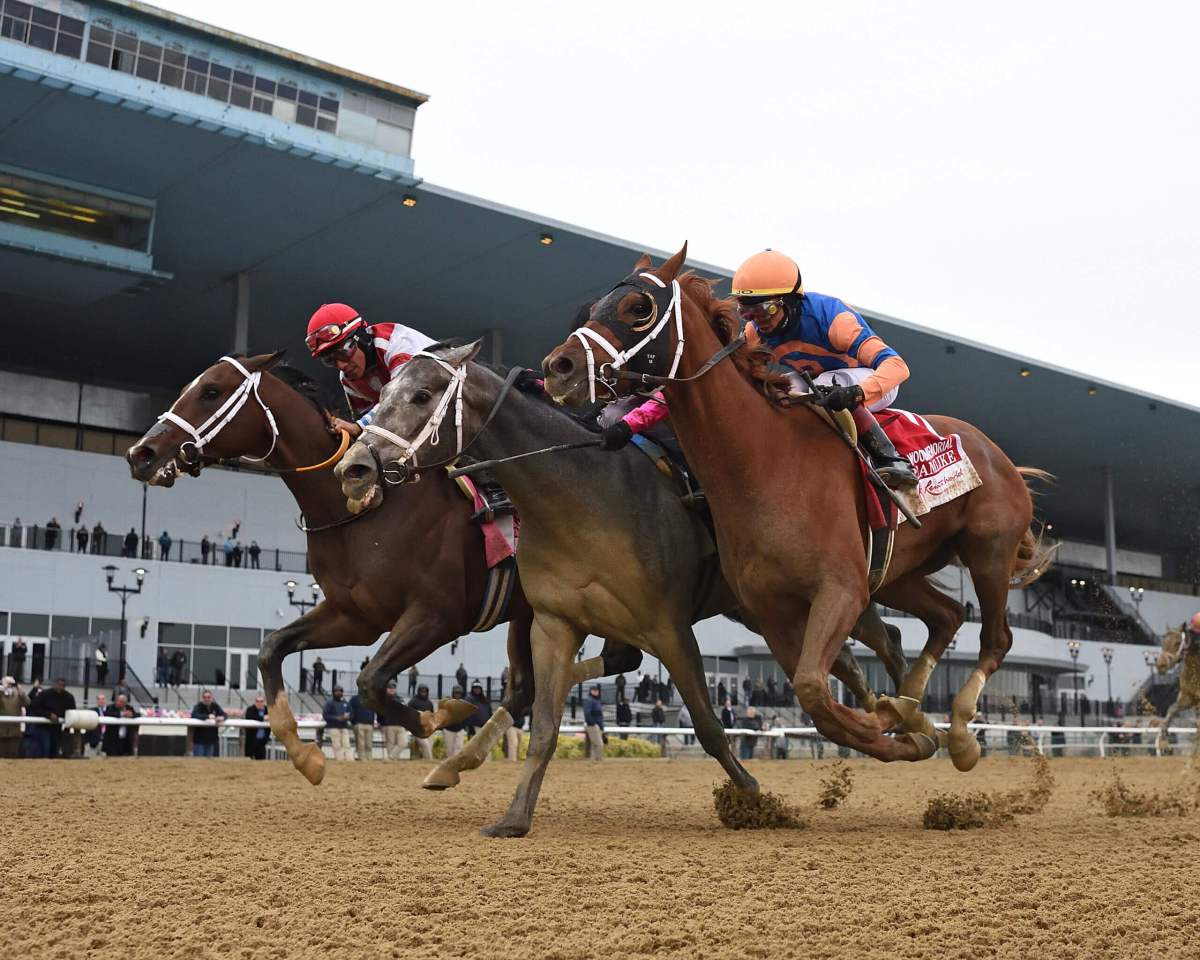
x=151, y=858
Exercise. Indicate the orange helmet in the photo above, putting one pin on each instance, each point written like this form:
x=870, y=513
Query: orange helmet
x=767, y=274
x=1194, y=626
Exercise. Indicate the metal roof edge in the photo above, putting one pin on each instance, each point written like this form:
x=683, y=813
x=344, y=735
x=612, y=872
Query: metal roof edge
x=268, y=49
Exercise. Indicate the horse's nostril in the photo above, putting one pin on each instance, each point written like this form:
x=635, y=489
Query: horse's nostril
x=357, y=471
x=562, y=365
x=139, y=455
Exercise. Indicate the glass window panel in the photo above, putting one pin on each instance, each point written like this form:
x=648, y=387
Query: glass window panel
x=68, y=46
x=262, y=105
x=3, y=623
x=208, y=667
x=174, y=57
x=218, y=90
x=100, y=35
x=151, y=50
x=174, y=634
x=243, y=78
x=220, y=72
x=69, y=627
x=171, y=76
x=208, y=635
x=329, y=105
x=240, y=97
x=52, y=435
x=122, y=61
x=71, y=26
x=100, y=56
x=263, y=85
x=286, y=92
x=30, y=625
x=15, y=8
x=306, y=116
x=147, y=69
x=199, y=64
x=308, y=99
x=14, y=29
x=45, y=17
x=245, y=638
x=97, y=441
x=41, y=37
x=20, y=431
x=195, y=82
x=327, y=124
x=126, y=41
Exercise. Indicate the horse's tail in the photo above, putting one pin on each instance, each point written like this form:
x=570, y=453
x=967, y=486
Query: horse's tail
x=1034, y=553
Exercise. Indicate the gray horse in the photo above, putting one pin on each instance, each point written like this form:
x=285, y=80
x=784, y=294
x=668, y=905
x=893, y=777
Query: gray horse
x=606, y=547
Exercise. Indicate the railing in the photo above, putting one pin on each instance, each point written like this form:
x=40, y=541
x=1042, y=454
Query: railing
x=973, y=615
x=107, y=544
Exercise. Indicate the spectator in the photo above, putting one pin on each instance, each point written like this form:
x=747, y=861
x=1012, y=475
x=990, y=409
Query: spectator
x=722, y=692
x=789, y=695
x=162, y=668
x=816, y=743
x=255, y=551
x=620, y=688
x=453, y=735
x=257, y=737
x=779, y=748
x=53, y=528
x=228, y=550
x=593, y=719
x=99, y=536
x=237, y=554
x=78, y=511
x=772, y=693
x=421, y=703
x=54, y=706
x=34, y=740
x=747, y=691
x=461, y=676
x=81, y=538
x=178, y=667
x=16, y=659
x=237, y=525
x=101, y=658
x=504, y=675
x=512, y=737
x=204, y=739
x=318, y=676
x=130, y=547
x=363, y=721
x=337, y=724
x=728, y=720
x=164, y=546
x=413, y=676
x=624, y=716
x=122, y=688
x=120, y=740
x=752, y=721
x=395, y=737
x=205, y=547
x=14, y=533
x=91, y=739
x=12, y=701
x=483, y=709
x=685, y=720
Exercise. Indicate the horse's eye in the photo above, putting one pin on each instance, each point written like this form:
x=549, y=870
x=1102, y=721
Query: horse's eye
x=640, y=308
x=209, y=393
x=422, y=396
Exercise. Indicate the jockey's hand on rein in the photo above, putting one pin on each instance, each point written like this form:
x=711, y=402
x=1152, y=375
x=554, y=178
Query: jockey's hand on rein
x=838, y=397
x=615, y=436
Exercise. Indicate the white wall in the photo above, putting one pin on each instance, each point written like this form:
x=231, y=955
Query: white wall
x=1161, y=610
x=1094, y=555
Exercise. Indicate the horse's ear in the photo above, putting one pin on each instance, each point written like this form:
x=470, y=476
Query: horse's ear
x=265, y=361
x=644, y=263
x=670, y=269
x=457, y=356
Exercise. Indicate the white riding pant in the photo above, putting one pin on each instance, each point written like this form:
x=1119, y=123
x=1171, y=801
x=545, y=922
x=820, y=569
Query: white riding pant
x=848, y=377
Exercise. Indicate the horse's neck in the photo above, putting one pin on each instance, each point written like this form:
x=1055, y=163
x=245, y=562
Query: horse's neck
x=304, y=441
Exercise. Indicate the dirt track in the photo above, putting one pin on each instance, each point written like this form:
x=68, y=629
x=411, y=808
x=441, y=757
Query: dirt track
x=153, y=858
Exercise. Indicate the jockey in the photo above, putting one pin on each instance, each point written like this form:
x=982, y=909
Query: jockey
x=367, y=357
x=831, y=340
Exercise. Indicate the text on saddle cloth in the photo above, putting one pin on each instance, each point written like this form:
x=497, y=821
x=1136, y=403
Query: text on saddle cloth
x=943, y=469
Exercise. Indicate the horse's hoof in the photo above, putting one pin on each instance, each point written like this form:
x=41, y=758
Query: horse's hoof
x=926, y=745
x=964, y=751
x=894, y=711
x=441, y=777
x=504, y=830
x=310, y=761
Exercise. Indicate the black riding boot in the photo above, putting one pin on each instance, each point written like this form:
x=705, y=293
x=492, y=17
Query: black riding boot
x=893, y=469
x=495, y=500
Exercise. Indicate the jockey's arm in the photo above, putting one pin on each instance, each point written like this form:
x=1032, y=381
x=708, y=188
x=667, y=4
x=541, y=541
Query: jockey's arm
x=649, y=414
x=850, y=334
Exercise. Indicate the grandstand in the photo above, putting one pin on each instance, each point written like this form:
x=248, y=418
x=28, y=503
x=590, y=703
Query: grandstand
x=277, y=182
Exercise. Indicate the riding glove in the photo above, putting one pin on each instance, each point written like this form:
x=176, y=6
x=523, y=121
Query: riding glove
x=838, y=397
x=616, y=435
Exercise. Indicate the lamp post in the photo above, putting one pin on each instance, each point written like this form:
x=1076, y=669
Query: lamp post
x=304, y=606
x=950, y=646
x=1107, y=653
x=110, y=572
x=1073, y=647
x=1137, y=595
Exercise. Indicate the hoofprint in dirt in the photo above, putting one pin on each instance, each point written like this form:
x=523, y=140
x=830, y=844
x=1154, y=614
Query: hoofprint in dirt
x=197, y=858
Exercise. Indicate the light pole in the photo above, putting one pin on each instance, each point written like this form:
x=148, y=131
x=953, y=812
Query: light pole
x=1137, y=595
x=949, y=647
x=304, y=606
x=1073, y=647
x=110, y=572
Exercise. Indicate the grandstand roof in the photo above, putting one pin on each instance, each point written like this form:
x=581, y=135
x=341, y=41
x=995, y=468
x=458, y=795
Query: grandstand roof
x=310, y=217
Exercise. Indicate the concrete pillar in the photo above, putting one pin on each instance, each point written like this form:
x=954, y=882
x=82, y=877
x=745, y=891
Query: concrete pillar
x=496, y=338
x=241, y=313
x=1110, y=526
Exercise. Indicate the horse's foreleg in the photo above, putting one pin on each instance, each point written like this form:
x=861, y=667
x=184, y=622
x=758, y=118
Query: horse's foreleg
x=322, y=627
x=615, y=657
x=847, y=669
x=1164, y=732
x=553, y=642
x=884, y=640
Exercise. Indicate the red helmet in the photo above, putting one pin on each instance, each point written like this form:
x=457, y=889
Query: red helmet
x=331, y=325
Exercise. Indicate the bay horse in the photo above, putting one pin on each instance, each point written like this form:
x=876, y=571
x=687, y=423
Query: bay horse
x=606, y=545
x=786, y=497
x=413, y=567
x=1177, y=646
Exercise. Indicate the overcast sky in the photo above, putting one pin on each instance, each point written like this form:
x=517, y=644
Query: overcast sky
x=1023, y=175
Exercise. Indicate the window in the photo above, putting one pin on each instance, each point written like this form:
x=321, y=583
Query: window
x=175, y=635
x=30, y=625
x=20, y=431
x=61, y=627
x=3, y=623
x=205, y=635
x=103, y=625
x=89, y=216
x=245, y=638
x=53, y=435
x=43, y=29
x=97, y=441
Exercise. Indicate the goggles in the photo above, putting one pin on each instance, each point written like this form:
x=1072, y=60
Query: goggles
x=764, y=314
x=341, y=352
x=330, y=333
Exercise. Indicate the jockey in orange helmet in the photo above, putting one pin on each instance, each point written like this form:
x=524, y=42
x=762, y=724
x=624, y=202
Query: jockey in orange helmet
x=830, y=340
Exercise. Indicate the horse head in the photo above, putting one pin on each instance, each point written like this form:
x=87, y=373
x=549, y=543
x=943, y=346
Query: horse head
x=1172, y=646
x=427, y=396
x=210, y=420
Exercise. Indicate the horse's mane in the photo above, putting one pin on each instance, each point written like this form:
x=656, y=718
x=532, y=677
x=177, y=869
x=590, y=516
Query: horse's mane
x=753, y=361
x=303, y=384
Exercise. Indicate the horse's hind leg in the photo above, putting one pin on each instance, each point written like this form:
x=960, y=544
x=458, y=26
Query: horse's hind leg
x=847, y=669
x=553, y=642
x=884, y=640
x=322, y=627
x=616, y=657
x=1163, y=744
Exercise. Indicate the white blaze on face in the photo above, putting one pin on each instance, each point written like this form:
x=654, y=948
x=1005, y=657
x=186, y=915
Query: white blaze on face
x=185, y=391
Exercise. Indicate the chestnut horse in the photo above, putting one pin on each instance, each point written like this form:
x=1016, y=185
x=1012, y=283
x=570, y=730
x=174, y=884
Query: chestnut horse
x=1178, y=645
x=786, y=498
x=412, y=568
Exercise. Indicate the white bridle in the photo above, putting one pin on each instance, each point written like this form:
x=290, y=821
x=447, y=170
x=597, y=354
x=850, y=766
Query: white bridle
x=620, y=357
x=208, y=430
x=431, y=431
